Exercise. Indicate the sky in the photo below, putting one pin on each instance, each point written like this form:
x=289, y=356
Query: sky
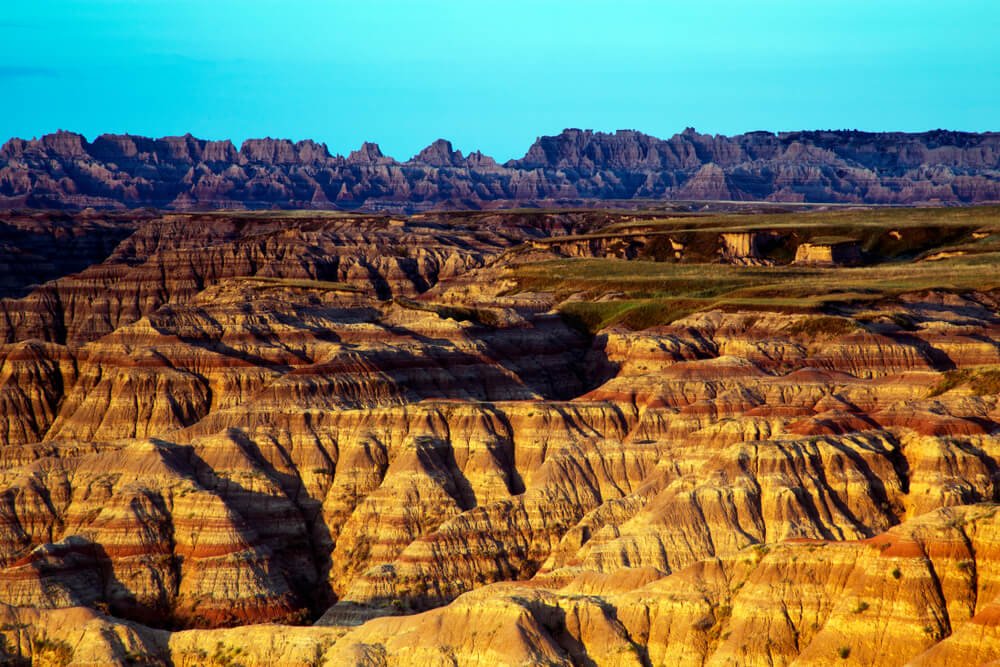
x=493, y=76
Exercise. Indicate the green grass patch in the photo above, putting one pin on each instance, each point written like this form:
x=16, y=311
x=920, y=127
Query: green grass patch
x=635, y=314
x=645, y=293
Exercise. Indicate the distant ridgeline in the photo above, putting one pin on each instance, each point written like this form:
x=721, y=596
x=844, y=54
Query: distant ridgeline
x=64, y=170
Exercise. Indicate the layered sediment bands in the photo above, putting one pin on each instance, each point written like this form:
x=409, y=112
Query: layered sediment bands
x=33, y=376
x=385, y=496
x=790, y=454
x=392, y=458
x=170, y=259
x=922, y=593
x=217, y=427
x=146, y=535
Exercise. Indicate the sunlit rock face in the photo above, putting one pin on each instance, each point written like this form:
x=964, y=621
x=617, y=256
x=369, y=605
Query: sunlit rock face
x=367, y=423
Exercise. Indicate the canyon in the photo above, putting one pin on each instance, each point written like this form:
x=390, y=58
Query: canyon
x=576, y=167
x=722, y=435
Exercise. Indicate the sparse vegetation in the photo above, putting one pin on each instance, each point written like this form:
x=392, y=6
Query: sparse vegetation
x=981, y=381
x=224, y=656
x=704, y=623
x=861, y=607
x=319, y=650
x=52, y=651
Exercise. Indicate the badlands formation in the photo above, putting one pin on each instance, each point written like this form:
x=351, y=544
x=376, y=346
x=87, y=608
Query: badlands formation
x=66, y=171
x=562, y=437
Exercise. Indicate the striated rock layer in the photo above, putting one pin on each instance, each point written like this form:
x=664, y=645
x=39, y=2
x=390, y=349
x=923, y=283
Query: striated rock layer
x=367, y=423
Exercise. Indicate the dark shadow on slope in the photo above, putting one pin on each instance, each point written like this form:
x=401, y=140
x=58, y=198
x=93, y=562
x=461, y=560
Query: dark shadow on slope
x=311, y=588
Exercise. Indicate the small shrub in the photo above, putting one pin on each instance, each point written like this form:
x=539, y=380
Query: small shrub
x=896, y=573
x=704, y=623
x=903, y=321
x=862, y=607
x=950, y=380
x=844, y=652
x=56, y=651
x=986, y=383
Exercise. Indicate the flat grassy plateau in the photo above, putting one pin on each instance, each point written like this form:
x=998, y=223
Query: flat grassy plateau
x=904, y=250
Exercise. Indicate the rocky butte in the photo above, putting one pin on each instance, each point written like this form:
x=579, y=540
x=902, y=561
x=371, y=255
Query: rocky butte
x=576, y=167
x=671, y=436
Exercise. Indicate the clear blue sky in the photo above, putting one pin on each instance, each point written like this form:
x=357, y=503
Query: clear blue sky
x=493, y=75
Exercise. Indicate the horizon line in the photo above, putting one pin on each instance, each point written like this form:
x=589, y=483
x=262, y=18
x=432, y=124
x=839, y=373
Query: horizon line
x=688, y=131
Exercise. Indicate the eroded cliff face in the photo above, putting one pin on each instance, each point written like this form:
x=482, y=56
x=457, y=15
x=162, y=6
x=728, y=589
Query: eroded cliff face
x=235, y=420
x=64, y=170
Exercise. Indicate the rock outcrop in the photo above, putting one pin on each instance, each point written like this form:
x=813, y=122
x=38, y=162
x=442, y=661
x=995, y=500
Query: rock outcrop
x=64, y=170
x=834, y=252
